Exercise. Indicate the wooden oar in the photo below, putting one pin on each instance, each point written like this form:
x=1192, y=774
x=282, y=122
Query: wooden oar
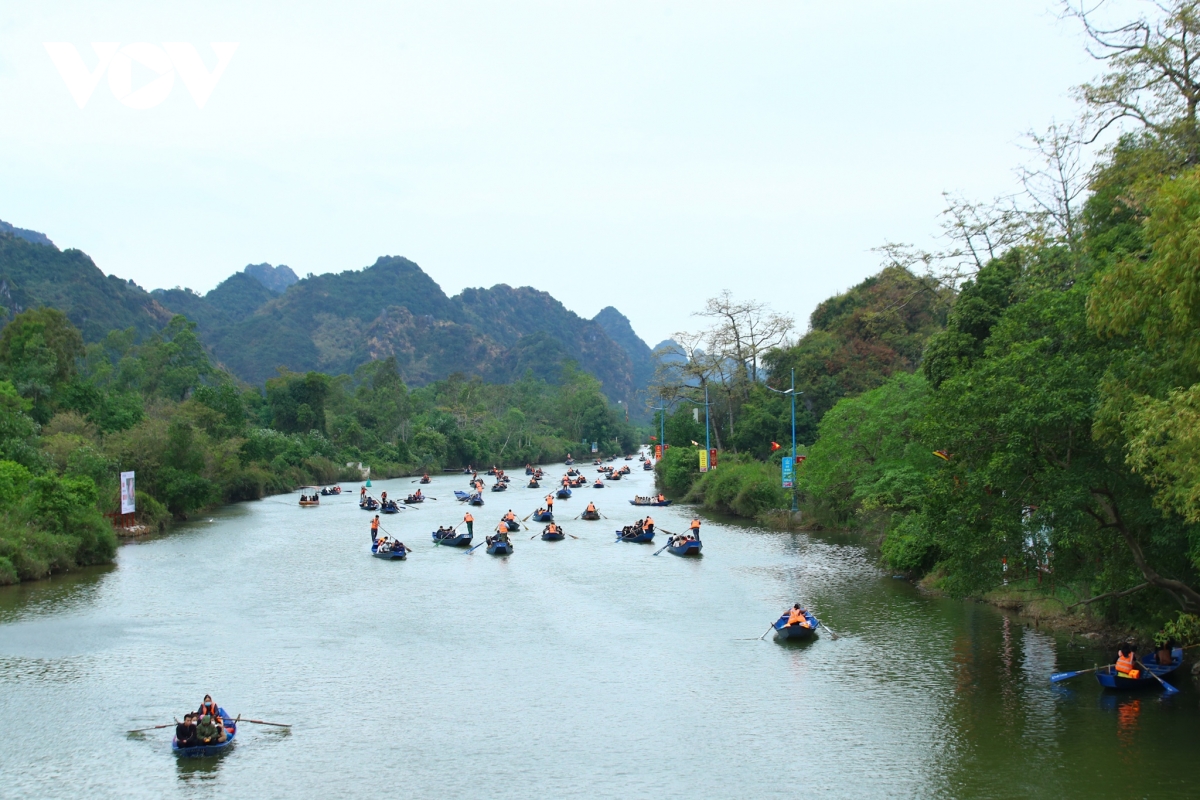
x=264, y=722
x=768, y=631
x=573, y=536
x=832, y=632
x=601, y=513
x=664, y=547
x=577, y=516
x=1059, y=677
x=156, y=727
x=1170, y=690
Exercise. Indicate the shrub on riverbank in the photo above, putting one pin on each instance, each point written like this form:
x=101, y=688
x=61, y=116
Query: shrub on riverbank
x=742, y=486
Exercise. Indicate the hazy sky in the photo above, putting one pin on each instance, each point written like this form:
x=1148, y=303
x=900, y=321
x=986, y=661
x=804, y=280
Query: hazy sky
x=641, y=154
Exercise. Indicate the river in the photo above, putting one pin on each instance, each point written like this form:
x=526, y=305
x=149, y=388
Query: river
x=583, y=668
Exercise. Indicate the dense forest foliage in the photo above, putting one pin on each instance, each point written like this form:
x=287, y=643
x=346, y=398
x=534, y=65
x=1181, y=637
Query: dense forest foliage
x=74, y=415
x=1031, y=420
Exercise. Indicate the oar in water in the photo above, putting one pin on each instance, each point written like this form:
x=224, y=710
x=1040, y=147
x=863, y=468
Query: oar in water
x=573, y=536
x=664, y=547
x=577, y=516
x=1168, y=688
x=154, y=728
x=264, y=722
x=601, y=513
x=832, y=632
x=527, y=516
x=1059, y=677
x=476, y=547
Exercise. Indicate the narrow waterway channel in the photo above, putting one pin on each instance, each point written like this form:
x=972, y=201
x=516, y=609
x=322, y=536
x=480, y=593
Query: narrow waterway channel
x=581, y=668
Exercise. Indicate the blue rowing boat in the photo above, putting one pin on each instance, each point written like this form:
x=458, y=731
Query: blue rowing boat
x=370, y=505
x=1110, y=679
x=563, y=493
x=201, y=750
x=390, y=508
x=451, y=540
x=648, y=501
x=557, y=536
x=500, y=548
x=512, y=525
x=499, y=487
x=461, y=495
x=476, y=499
x=388, y=553
x=689, y=548
x=545, y=516
x=644, y=536
x=796, y=633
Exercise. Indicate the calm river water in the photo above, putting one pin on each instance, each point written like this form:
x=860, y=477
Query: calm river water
x=580, y=668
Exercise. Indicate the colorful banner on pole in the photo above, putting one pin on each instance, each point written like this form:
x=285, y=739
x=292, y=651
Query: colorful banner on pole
x=789, y=472
x=128, y=498
x=595, y=446
x=704, y=461
x=658, y=452
x=712, y=458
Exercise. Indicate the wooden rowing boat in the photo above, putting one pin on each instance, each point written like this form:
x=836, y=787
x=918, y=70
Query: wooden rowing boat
x=201, y=750
x=1109, y=678
x=453, y=540
x=796, y=633
x=644, y=536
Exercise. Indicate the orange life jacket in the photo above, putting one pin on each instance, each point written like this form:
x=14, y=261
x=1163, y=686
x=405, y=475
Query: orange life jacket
x=1125, y=663
x=591, y=507
x=796, y=617
x=468, y=517
x=374, y=524
x=649, y=522
x=551, y=528
x=695, y=524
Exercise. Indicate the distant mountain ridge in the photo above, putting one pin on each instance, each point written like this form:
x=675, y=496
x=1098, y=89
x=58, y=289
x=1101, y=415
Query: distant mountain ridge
x=265, y=317
x=27, y=235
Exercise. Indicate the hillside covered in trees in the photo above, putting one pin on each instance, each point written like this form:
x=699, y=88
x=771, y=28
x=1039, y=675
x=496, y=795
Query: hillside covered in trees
x=75, y=414
x=264, y=318
x=1024, y=416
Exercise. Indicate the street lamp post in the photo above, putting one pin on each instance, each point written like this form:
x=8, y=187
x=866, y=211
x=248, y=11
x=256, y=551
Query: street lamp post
x=792, y=392
x=707, y=440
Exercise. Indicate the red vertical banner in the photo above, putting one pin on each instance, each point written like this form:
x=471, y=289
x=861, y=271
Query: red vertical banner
x=658, y=452
x=712, y=458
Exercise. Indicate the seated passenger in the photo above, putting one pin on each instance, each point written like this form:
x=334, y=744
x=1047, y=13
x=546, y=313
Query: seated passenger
x=1126, y=662
x=185, y=732
x=206, y=731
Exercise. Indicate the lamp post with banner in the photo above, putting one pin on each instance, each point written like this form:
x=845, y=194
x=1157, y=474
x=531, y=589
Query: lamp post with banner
x=792, y=460
x=707, y=461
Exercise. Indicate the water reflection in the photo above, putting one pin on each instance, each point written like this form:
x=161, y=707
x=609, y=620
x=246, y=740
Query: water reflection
x=58, y=594
x=200, y=771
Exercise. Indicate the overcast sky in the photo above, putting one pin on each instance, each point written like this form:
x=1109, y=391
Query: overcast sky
x=644, y=155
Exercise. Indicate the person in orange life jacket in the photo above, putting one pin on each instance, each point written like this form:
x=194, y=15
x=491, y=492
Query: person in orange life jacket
x=207, y=707
x=551, y=528
x=694, y=527
x=591, y=509
x=662, y=498
x=796, y=617
x=362, y=493
x=510, y=516
x=1126, y=661
x=375, y=528
x=649, y=524
x=549, y=502
x=467, y=518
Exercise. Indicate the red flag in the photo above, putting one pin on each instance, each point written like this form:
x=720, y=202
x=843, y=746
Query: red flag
x=775, y=446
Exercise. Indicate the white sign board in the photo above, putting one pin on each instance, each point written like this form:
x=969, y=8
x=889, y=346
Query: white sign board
x=128, y=504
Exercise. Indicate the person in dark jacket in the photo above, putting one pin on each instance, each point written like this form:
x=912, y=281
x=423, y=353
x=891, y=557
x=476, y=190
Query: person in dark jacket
x=185, y=732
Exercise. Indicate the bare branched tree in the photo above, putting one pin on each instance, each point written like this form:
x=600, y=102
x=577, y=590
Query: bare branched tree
x=743, y=332
x=1057, y=184
x=1153, y=71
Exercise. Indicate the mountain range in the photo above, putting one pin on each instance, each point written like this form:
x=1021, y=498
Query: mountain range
x=266, y=318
